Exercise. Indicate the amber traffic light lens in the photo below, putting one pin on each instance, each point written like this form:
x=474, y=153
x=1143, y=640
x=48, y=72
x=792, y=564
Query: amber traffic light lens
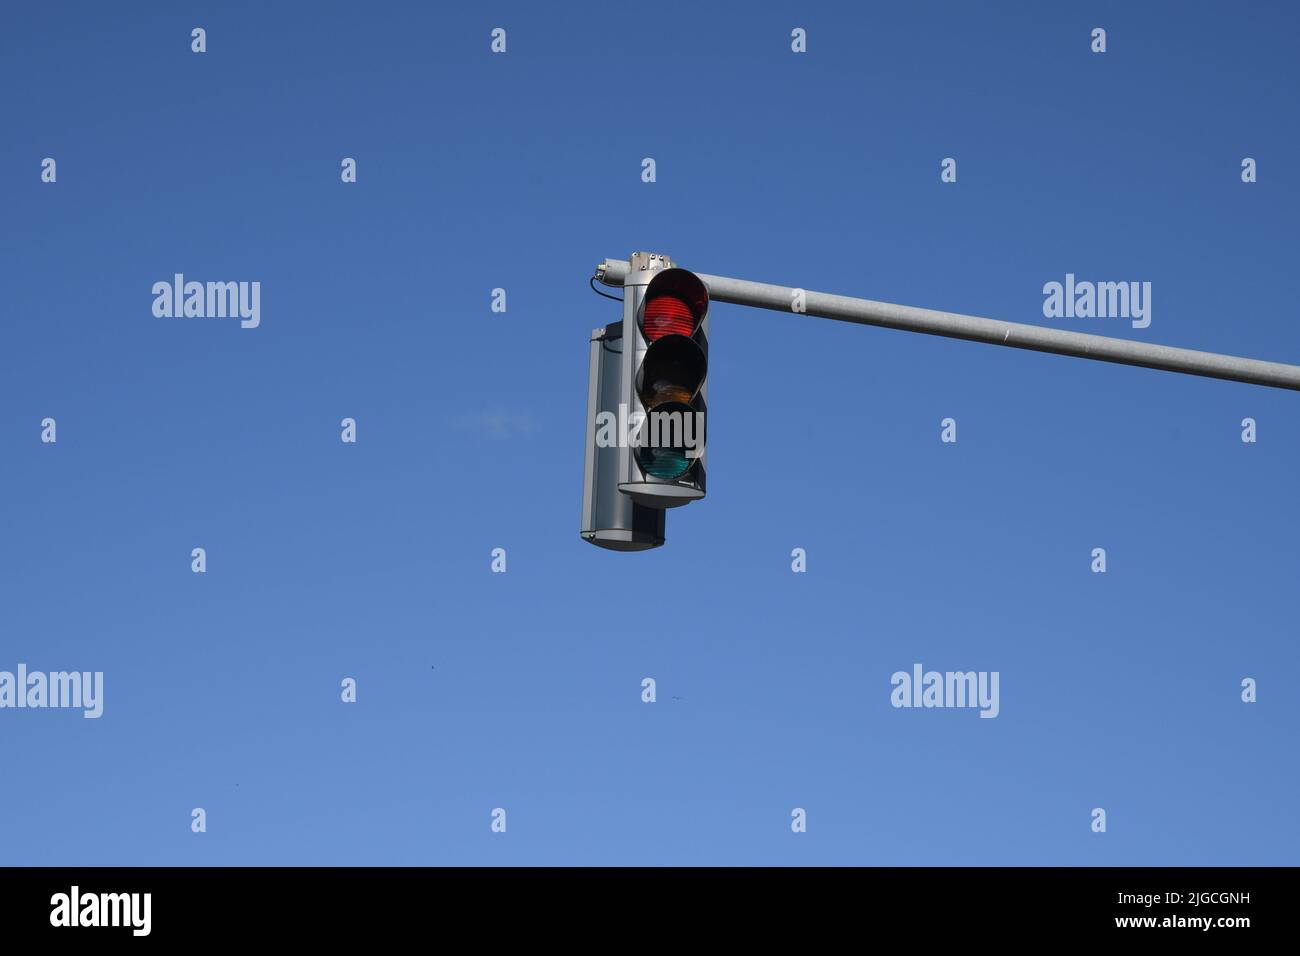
x=672, y=371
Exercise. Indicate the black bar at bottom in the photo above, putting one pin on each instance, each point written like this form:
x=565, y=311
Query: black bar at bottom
x=669, y=908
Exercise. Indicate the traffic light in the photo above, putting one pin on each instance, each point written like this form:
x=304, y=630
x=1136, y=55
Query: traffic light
x=646, y=406
x=611, y=519
x=665, y=364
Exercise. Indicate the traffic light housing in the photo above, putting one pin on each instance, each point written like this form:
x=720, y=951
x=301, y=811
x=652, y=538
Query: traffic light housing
x=611, y=519
x=665, y=392
x=646, y=406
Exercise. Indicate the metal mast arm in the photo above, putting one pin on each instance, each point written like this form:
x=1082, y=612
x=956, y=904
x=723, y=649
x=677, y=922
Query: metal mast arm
x=1102, y=348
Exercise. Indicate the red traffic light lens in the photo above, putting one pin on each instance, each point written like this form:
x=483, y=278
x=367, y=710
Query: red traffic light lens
x=667, y=315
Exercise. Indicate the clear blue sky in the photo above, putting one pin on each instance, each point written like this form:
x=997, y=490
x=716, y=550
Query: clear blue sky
x=522, y=690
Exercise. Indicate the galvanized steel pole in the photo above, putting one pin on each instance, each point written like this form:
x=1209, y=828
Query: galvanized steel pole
x=1036, y=338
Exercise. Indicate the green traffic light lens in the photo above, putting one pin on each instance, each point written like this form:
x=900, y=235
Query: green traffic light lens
x=666, y=435
x=665, y=463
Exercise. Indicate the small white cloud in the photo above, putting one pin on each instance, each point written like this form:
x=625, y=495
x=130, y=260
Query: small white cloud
x=497, y=423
